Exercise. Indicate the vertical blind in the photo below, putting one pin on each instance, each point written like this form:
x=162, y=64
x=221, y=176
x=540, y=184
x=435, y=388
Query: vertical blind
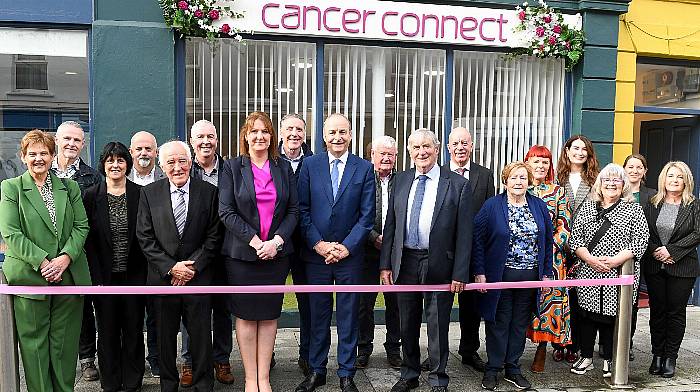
x=226, y=84
x=508, y=105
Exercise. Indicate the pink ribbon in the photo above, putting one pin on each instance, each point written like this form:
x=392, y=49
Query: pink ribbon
x=624, y=280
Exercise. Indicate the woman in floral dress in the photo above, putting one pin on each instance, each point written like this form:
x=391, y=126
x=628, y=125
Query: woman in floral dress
x=553, y=323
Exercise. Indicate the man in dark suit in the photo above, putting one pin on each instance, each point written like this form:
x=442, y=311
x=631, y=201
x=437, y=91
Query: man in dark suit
x=427, y=240
x=460, y=145
x=336, y=203
x=383, y=154
x=294, y=150
x=178, y=228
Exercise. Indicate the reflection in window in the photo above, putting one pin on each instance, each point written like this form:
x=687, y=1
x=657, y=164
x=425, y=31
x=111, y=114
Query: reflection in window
x=31, y=72
x=668, y=86
x=235, y=80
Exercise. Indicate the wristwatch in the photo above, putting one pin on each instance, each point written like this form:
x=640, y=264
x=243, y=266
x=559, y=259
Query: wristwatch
x=279, y=244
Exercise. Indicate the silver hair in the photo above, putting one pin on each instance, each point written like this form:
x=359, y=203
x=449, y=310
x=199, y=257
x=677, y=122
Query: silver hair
x=422, y=133
x=616, y=171
x=292, y=115
x=168, y=144
x=384, y=141
x=69, y=123
x=200, y=123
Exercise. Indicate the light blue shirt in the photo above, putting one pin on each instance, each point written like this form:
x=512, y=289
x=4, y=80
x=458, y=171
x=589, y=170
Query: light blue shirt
x=427, y=209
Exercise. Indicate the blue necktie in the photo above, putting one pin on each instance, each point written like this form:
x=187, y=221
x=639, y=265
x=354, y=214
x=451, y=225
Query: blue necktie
x=413, y=237
x=334, y=177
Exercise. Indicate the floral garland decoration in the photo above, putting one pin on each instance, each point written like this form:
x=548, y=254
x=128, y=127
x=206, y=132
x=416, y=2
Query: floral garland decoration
x=198, y=18
x=545, y=34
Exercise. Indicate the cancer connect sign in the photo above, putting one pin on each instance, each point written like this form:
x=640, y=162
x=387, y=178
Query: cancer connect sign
x=379, y=20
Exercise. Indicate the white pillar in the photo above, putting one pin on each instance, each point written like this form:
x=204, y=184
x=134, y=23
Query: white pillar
x=378, y=91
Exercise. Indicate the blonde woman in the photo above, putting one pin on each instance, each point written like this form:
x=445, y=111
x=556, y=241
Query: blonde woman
x=671, y=263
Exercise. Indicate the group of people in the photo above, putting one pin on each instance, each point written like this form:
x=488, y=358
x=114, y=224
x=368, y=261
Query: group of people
x=333, y=218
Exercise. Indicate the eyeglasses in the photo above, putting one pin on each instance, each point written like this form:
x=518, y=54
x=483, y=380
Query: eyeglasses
x=612, y=181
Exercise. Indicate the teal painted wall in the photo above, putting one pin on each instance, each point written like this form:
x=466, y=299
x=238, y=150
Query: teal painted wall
x=133, y=72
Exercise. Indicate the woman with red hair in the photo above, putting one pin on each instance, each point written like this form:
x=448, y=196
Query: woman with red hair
x=552, y=325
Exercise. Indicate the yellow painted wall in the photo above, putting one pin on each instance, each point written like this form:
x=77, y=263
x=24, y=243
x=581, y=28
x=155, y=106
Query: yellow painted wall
x=651, y=28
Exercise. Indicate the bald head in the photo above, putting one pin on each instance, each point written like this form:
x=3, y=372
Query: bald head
x=143, y=151
x=460, y=146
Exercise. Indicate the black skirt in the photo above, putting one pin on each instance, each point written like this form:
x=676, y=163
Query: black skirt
x=257, y=307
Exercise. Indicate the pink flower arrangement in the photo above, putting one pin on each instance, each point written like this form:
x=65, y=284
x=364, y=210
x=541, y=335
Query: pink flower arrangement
x=552, y=40
x=213, y=14
x=199, y=14
x=547, y=18
x=182, y=5
x=539, y=31
x=521, y=15
x=225, y=28
x=201, y=18
x=557, y=29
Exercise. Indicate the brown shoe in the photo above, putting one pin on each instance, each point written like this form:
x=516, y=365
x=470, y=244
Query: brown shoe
x=538, y=362
x=186, y=376
x=223, y=373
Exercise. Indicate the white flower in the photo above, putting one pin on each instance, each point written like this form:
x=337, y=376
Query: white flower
x=238, y=38
x=525, y=4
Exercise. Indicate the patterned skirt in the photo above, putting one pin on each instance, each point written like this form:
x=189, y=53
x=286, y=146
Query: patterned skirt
x=553, y=321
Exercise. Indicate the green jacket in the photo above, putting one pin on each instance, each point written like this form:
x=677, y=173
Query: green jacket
x=26, y=227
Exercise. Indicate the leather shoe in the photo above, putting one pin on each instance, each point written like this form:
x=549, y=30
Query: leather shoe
x=405, y=385
x=668, y=369
x=311, y=382
x=394, y=360
x=539, y=360
x=655, y=367
x=223, y=374
x=474, y=360
x=438, y=389
x=362, y=361
x=304, y=366
x=186, y=376
x=347, y=385
x=272, y=361
x=89, y=370
x=425, y=365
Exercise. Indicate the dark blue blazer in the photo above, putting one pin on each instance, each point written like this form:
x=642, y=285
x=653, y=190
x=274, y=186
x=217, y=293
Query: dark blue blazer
x=348, y=219
x=490, y=247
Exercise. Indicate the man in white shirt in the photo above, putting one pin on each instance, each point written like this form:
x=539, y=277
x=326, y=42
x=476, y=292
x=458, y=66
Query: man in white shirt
x=144, y=149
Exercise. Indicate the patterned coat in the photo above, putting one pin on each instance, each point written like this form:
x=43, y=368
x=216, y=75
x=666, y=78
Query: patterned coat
x=628, y=231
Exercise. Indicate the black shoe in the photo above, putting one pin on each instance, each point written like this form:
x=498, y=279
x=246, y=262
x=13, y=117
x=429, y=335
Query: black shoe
x=311, y=382
x=489, y=382
x=474, y=360
x=89, y=370
x=362, y=361
x=518, y=380
x=438, y=389
x=394, y=360
x=272, y=361
x=347, y=385
x=404, y=385
x=425, y=365
x=668, y=369
x=655, y=367
x=155, y=369
x=304, y=366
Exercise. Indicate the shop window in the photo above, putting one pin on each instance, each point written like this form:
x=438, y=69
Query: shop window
x=385, y=91
x=668, y=86
x=508, y=105
x=227, y=84
x=31, y=62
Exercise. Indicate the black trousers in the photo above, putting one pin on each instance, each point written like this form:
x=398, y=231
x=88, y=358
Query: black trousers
x=668, y=298
x=469, y=323
x=298, y=269
x=120, y=348
x=88, y=333
x=365, y=342
x=505, y=335
x=170, y=310
x=573, y=321
x=588, y=328
x=437, y=305
x=151, y=332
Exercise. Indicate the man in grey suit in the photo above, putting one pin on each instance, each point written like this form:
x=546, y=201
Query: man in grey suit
x=144, y=150
x=426, y=240
x=481, y=183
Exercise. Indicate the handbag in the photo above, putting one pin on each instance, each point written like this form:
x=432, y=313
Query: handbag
x=590, y=245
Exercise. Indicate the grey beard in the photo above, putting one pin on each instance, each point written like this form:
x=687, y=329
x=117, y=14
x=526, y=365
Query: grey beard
x=144, y=162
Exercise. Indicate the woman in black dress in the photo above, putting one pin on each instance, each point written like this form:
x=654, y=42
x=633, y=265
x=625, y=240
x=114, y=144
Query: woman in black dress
x=258, y=206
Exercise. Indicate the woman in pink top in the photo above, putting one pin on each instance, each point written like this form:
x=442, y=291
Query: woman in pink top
x=258, y=206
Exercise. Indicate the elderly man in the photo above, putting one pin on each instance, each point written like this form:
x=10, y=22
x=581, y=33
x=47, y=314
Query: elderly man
x=481, y=183
x=70, y=140
x=179, y=231
x=427, y=240
x=206, y=166
x=294, y=150
x=336, y=203
x=144, y=149
x=383, y=154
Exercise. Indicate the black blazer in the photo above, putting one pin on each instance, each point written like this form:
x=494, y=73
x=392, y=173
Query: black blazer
x=644, y=195
x=99, y=246
x=482, y=186
x=159, y=239
x=450, y=231
x=238, y=208
x=684, y=239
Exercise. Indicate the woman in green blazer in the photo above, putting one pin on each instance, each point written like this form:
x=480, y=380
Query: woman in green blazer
x=44, y=226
